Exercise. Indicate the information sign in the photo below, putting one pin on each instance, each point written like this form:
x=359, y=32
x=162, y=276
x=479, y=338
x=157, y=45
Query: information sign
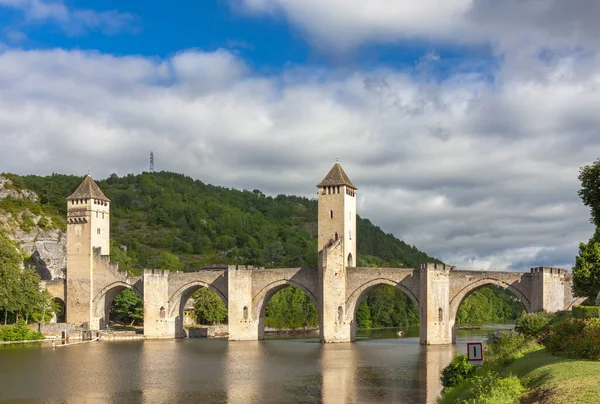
x=475, y=353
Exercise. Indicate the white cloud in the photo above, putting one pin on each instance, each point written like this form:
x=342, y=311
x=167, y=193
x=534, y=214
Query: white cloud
x=482, y=174
x=508, y=24
x=73, y=21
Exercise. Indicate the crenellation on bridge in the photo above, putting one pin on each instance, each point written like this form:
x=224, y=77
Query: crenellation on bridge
x=336, y=286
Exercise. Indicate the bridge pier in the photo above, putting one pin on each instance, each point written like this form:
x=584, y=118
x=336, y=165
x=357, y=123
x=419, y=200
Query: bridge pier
x=334, y=320
x=158, y=321
x=436, y=325
x=243, y=317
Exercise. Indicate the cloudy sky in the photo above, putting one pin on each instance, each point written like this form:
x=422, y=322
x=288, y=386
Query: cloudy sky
x=462, y=122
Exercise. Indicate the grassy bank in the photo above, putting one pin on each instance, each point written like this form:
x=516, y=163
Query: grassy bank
x=553, y=379
x=549, y=358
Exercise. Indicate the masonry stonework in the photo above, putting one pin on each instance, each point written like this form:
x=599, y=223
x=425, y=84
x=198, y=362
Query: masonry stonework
x=336, y=286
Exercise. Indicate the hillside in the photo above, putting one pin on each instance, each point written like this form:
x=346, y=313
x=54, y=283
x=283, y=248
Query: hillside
x=38, y=233
x=204, y=224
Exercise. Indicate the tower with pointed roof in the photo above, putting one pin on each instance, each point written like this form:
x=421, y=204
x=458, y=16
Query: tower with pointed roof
x=88, y=235
x=337, y=212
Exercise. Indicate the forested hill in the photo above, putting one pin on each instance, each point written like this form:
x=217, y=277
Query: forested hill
x=154, y=213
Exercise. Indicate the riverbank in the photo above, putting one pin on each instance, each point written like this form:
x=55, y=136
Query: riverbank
x=552, y=379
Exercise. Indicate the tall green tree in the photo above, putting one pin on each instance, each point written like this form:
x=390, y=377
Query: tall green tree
x=586, y=272
x=589, y=176
x=10, y=262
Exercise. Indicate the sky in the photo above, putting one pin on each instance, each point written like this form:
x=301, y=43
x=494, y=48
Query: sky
x=463, y=123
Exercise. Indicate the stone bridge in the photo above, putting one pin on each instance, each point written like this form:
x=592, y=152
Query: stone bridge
x=437, y=291
x=336, y=286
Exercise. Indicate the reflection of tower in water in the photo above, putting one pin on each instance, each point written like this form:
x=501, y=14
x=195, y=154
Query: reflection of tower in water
x=432, y=359
x=338, y=366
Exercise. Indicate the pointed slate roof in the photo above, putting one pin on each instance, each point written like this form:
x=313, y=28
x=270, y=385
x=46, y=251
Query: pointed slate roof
x=88, y=190
x=336, y=176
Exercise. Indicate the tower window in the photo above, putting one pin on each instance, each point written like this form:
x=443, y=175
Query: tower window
x=96, y=214
x=98, y=231
x=102, y=215
x=350, y=234
x=331, y=214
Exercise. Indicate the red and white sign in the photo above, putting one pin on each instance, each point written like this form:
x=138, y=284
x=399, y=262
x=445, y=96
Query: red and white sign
x=475, y=353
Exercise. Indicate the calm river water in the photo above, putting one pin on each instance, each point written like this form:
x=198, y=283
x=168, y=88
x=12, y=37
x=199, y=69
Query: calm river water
x=378, y=368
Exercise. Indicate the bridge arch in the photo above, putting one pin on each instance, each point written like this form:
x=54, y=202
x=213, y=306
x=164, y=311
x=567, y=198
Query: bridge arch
x=262, y=298
x=462, y=294
x=363, y=290
x=181, y=295
x=104, y=298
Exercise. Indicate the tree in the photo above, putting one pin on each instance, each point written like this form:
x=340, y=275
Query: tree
x=209, y=308
x=169, y=261
x=586, y=272
x=589, y=176
x=128, y=307
x=10, y=262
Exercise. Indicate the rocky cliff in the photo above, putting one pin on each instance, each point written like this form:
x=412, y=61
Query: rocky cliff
x=39, y=237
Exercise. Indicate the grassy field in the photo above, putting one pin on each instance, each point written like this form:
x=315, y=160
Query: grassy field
x=553, y=379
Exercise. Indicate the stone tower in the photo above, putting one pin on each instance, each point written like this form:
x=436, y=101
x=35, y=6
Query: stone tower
x=337, y=212
x=88, y=235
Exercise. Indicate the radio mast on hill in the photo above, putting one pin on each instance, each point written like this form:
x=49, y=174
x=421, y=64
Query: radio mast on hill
x=151, y=161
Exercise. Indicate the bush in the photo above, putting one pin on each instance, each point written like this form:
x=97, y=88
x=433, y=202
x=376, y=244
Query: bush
x=506, y=346
x=493, y=389
x=19, y=332
x=457, y=371
x=576, y=338
x=586, y=311
x=533, y=324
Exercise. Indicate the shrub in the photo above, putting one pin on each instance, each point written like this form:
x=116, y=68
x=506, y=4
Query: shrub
x=19, y=332
x=586, y=311
x=533, y=324
x=576, y=338
x=506, y=346
x=457, y=371
x=493, y=389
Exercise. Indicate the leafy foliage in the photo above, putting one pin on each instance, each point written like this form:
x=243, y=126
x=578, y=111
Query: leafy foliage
x=533, y=324
x=589, y=176
x=204, y=224
x=586, y=311
x=19, y=332
x=291, y=308
x=586, y=272
x=457, y=371
x=209, y=308
x=20, y=293
x=127, y=307
x=491, y=388
x=386, y=306
x=575, y=337
x=488, y=304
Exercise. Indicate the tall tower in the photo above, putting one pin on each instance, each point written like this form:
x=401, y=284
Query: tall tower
x=88, y=233
x=337, y=212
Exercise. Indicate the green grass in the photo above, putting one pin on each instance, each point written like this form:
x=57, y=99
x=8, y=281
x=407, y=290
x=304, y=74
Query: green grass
x=554, y=379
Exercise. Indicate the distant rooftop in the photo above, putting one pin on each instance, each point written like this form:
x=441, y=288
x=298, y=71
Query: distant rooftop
x=88, y=190
x=336, y=176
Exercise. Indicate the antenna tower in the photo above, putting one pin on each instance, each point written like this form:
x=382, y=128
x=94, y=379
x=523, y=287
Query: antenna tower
x=151, y=162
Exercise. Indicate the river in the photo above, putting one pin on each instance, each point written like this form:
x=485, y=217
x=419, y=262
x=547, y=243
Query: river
x=378, y=368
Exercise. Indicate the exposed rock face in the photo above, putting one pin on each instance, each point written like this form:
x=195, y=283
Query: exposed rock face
x=598, y=299
x=47, y=248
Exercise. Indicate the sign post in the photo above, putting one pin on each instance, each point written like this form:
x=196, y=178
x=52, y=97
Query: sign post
x=475, y=353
